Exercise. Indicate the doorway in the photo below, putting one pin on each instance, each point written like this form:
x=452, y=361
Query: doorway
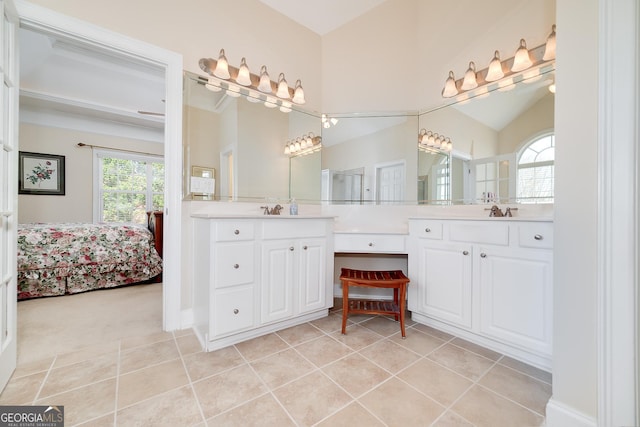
x=89, y=37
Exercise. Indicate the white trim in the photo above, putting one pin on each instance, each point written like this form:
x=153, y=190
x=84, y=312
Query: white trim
x=558, y=414
x=47, y=21
x=617, y=214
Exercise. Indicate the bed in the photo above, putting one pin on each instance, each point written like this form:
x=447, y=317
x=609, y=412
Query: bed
x=59, y=259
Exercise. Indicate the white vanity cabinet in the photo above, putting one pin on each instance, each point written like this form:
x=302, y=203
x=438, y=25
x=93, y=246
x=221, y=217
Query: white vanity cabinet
x=256, y=276
x=489, y=281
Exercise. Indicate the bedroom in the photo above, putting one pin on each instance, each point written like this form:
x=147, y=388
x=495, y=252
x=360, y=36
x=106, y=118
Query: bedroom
x=72, y=117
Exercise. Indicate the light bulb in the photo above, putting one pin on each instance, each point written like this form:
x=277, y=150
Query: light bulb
x=298, y=93
x=550, y=47
x=283, y=88
x=265, y=81
x=450, y=88
x=495, y=71
x=470, y=81
x=222, y=67
x=522, y=60
x=244, y=76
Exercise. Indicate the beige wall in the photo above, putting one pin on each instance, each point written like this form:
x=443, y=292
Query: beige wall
x=537, y=119
x=200, y=28
x=77, y=203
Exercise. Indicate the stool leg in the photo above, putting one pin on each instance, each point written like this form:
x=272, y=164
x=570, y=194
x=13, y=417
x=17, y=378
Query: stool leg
x=403, y=291
x=345, y=305
x=395, y=301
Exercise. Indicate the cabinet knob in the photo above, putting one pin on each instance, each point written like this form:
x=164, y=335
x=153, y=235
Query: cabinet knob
x=236, y=311
x=291, y=248
x=427, y=230
x=236, y=232
x=483, y=255
x=371, y=244
x=304, y=247
x=236, y=266
x=538, y=237
x=465, y=252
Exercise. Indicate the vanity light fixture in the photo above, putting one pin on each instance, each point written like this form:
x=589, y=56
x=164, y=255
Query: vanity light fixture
x=240, y=80
x=301, y=146
x=221, y=69
x=524, y=65
x=550, y=46
x=265, y=81
x=522, y=60
x=470, y=81
x=432, y=142
x=495, y=71
x=244, y=76
x=327, y=121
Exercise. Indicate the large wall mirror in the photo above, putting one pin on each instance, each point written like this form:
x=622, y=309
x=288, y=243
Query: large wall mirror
x=366, y=157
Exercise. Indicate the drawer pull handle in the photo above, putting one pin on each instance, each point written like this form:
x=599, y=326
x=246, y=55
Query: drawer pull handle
x=483, y=255
x=291, y=248
x=236, y=311
x=538, y=237
x=427, y=230
x=304, y=247
x=236, y=232
x=236, y=266
x=465, y=252
x=371, y=244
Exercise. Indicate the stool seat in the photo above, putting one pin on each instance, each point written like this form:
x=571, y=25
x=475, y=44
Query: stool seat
x=394, y=279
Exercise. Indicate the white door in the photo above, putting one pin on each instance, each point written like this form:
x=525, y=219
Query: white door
x=276, y=286
x=311, y=275
x=8, y=191
x=390, y=182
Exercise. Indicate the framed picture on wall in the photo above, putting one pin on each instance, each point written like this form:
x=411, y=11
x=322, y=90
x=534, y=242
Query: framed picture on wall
x=40, y=174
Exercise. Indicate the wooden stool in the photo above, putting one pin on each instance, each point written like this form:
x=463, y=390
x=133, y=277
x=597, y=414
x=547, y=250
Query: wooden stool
x=374, y=279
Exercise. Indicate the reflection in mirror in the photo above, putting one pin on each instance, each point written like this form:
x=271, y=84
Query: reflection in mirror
x=489, y=132
x=434, y=177
x=244, y=140
x=370, y=159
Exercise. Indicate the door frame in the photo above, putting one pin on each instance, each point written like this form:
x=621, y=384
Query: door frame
x=45, y=20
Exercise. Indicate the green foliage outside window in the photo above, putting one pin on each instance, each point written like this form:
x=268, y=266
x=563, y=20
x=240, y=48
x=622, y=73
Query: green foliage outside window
x=130, y=188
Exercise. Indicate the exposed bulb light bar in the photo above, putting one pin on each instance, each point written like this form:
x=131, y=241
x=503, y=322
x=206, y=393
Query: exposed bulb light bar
x=433, y=143
x=301, y=146
x=221, y=69
x=526, y=65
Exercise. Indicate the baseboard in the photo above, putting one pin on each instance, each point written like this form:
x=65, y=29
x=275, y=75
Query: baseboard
x=561, y=415
x=186, y=318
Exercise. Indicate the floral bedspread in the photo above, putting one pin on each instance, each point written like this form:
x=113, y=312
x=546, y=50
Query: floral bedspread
x=57, y=259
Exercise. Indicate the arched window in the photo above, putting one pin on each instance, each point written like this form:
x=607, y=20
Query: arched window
x=535, y=170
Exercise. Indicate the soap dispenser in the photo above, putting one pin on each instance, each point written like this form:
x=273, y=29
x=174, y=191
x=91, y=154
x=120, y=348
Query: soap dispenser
x=293, y=207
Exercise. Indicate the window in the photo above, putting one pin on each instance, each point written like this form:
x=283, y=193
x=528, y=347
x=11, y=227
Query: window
x=535, y=170
x=127, y=186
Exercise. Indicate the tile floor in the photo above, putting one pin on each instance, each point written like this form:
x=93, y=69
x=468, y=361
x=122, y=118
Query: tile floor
x=308, y=375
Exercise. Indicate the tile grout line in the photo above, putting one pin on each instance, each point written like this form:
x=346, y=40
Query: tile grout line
x=269, y=389
x=44, y=380
x=115, y=400
x=193, y=390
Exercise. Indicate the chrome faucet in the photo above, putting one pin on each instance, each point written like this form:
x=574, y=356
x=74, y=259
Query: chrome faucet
x=271, y=211
x=496, y=212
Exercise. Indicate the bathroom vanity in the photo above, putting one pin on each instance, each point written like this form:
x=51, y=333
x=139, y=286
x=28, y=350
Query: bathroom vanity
x=486, y=280
x=256, y=275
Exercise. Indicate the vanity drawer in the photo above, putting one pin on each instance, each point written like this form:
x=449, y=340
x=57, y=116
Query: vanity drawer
x=229, y=231
x=370, y=243
x=426, y=229
x=535, y=235
x=479, y=232
x=232, y=310
x=234, y=264
x=293, y=228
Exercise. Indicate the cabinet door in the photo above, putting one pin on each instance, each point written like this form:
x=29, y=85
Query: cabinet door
x=312, y=277
x=444, y=281
x=516, y=296
x=277, y=280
